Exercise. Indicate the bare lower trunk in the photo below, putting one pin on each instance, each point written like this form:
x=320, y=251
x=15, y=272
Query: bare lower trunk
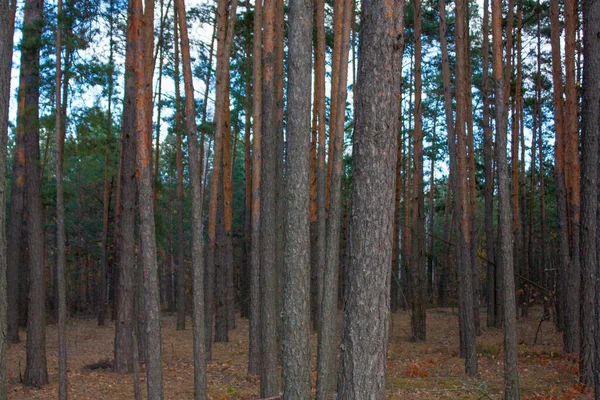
x=366, y=302
x=195, y=160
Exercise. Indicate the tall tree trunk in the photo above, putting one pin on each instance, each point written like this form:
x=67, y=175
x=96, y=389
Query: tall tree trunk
x=326, y=347
x=195, y=160
x=572, y=168
x=7, y=16
x=449, y=118
x=124, y=324
x=366, y=303
x=538, y=105
x=14, y=228
x=462, y=208
x=254, y=355
x=36, y=373
x=296, y=290
x=143, y=130
x=321, y=127
x=107, y=181
x=505, y=257
x=417, y=270
x=225, y=23
x=488, y=176
x=589, y=196
x=269, y=383
x=179, y=165
x=245, y=304
x=559, y=171
x=60, y=220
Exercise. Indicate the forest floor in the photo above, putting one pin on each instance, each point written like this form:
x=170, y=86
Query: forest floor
x=430, y=370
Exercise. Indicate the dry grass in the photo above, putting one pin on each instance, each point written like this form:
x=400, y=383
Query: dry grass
x=430, y=370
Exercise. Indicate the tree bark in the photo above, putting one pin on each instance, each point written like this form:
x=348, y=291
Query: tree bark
x=180, y=257
x=7, y=15
x=60, y=219
x=488, y=157
x=462, y=207
x=254, y=355
x=36, y=373
x=327, y=339
x=572, y=177
x=321, y=168
x=590, y=128
x=505, y=257
x=124, y=324
x=296, y=290
x=366, y=303
x=195, y=160
x=269, y=383
x=419, y=292
x=14, y=228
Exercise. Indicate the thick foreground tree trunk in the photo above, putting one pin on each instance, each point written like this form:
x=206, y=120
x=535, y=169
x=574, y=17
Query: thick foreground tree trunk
x=36, y=373
x=296, y=259
x=366, y=302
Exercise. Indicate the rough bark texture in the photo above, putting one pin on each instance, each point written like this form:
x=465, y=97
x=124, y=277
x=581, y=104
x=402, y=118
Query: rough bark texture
x=321, y=150
x=488, y=176
x=462, y=208
x=559, y=169
x=7, y=15
x=366, y=302
x=590, y=129
x=143, y=132
x=255, y=312
x=124, y=324
x=269, y=383
x=504, y=258
x=419, y=294
x=296, y=262
x=195, y=160
x=327, y=340
x=60, y=222
x=36, y=373
x=572, y=168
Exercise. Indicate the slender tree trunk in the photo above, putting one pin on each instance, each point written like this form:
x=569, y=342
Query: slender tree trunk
x=417, y=271
x=124, y=324
x=430, y=275
x=107, y=184
x=504, y=259
x=559, y=170
x=451, y=139
x=488, y=156
x=36, y=373
x=462, y=208
x=538, y=84
x=572, y=168
x=326, y=353
x=296, y=290
x=143, y=130
x=195, y=160
x=14, y=228
x=269, y=384
x=7, y=15
x=60, y=221
x=589, y=197
x=254, y=355
x=321, y=127
x=179, y=165
x=245, y=305
x=225, y=23
x=366, y=304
